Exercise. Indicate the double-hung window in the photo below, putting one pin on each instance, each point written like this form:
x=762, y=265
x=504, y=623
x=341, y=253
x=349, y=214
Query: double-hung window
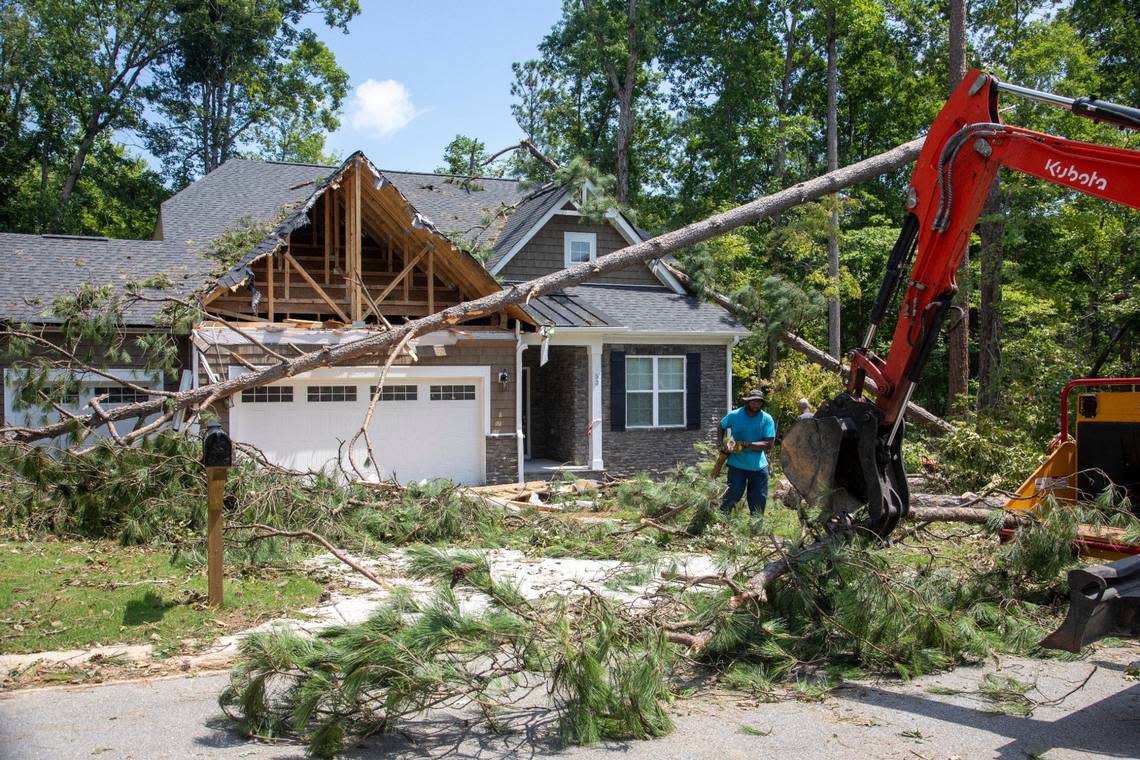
x=580, y=247
x=654, y=391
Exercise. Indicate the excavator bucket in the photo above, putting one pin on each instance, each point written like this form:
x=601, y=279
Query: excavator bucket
x=1104, y=600
x=808, y=455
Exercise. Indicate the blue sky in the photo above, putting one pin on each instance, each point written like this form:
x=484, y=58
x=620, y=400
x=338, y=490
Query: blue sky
x=422, y=72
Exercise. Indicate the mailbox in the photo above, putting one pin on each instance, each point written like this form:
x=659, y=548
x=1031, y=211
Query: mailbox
x=217, y=451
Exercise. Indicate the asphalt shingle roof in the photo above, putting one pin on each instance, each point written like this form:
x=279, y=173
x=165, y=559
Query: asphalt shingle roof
x=529, y=212
x=37, y=269
x=654, y=308
x=238, y=190
x=474, y=211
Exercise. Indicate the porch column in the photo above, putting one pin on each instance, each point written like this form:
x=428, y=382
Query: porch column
x=595, y=427
x=520, y=448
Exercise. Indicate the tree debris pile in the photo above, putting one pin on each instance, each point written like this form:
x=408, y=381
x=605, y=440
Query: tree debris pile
x=784, y=610
x=609, y=666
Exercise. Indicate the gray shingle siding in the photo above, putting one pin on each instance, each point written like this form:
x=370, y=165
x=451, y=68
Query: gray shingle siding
x=546, y=252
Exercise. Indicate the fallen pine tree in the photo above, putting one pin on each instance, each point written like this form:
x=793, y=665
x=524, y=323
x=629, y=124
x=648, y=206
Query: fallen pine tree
x=164, y=406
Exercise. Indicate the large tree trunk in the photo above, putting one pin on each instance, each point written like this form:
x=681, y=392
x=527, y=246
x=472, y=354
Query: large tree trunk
x=623, y=90
x=783, y=103
x=625, y=141
x=386, y=340
x=834, y=342
x=989, y=337
x=959, y=351
x=90, y=132
x=958, y=66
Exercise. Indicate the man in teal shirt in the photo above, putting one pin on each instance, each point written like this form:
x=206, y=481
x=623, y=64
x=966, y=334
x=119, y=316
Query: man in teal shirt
x=754, y=432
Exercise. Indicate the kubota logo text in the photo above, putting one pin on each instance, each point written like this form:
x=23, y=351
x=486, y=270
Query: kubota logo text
x=1072, y=174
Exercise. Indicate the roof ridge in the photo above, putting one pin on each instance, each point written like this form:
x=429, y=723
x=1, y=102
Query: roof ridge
x=455, y=176
x=293, y=163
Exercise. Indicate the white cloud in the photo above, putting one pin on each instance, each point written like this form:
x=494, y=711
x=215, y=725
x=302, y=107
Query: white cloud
x=381, y=108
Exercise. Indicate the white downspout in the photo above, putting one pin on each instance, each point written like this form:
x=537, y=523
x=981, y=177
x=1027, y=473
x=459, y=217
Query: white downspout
x=728, y=372
x=520, y=450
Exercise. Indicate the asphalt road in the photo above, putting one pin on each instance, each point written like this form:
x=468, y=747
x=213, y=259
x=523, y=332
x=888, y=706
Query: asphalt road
x=179, y=718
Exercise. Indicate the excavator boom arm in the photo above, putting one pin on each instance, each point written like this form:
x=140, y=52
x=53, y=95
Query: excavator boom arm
x=849, y=456
x=964, y=150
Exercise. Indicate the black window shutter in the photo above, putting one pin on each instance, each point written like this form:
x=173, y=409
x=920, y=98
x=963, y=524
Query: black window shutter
x=617, y=390
x=693, y=391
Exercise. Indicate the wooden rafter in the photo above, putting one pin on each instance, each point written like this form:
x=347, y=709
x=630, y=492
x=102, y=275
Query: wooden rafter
x=269, y=286
x=357, y=300
x=290, y=261
x=328, y=234
x=332, y=198
x=285, y=270
x=399, y=278
x=431, y=279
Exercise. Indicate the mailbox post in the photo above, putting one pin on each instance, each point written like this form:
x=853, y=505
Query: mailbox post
x=217, y=456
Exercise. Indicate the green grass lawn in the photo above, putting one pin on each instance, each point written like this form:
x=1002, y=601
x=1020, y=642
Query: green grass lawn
x=69, y=594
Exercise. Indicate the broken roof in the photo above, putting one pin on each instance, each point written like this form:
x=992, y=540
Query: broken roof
x=467, y=210
x=465, y=269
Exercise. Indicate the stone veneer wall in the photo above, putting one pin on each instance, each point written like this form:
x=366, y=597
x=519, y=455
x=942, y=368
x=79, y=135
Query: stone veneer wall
x=657, y=451
x=502, y=459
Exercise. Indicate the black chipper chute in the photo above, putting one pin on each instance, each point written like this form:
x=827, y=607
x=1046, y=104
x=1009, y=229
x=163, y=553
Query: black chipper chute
x=1104, y=600
x=841, y=460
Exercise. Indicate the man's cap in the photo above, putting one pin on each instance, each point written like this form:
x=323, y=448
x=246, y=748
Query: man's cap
x=753, y=395
x=803, y=402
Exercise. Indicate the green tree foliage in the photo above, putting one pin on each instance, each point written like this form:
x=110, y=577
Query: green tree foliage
x=594, y=94
x=738, y=89
x=468, y=156
x=73, y=73
x=246, y=75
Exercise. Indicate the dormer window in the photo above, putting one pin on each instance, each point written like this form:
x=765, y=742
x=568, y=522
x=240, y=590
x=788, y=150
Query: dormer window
x=580, y=247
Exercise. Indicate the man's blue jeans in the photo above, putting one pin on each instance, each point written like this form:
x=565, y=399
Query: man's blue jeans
x=755, y=482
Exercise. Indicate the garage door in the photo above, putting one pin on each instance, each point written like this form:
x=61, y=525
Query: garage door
x=423, y=427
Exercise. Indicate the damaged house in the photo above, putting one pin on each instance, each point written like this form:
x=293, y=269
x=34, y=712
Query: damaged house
x=620, y=375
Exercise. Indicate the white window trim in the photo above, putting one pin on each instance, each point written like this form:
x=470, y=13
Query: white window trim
x=655, y=391
x=579, y=237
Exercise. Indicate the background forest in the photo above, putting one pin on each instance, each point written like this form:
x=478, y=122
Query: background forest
x=692, y=106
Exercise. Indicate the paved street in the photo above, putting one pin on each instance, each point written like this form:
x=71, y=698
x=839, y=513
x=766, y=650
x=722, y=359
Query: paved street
x=179, y=718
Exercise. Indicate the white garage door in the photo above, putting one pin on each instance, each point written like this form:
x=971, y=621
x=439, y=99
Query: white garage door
x=423, y=426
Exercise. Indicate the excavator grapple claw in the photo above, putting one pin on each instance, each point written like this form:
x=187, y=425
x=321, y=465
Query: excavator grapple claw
x=840, y=461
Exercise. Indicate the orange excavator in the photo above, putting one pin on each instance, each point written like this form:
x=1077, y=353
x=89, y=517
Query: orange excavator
x=848, y=458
